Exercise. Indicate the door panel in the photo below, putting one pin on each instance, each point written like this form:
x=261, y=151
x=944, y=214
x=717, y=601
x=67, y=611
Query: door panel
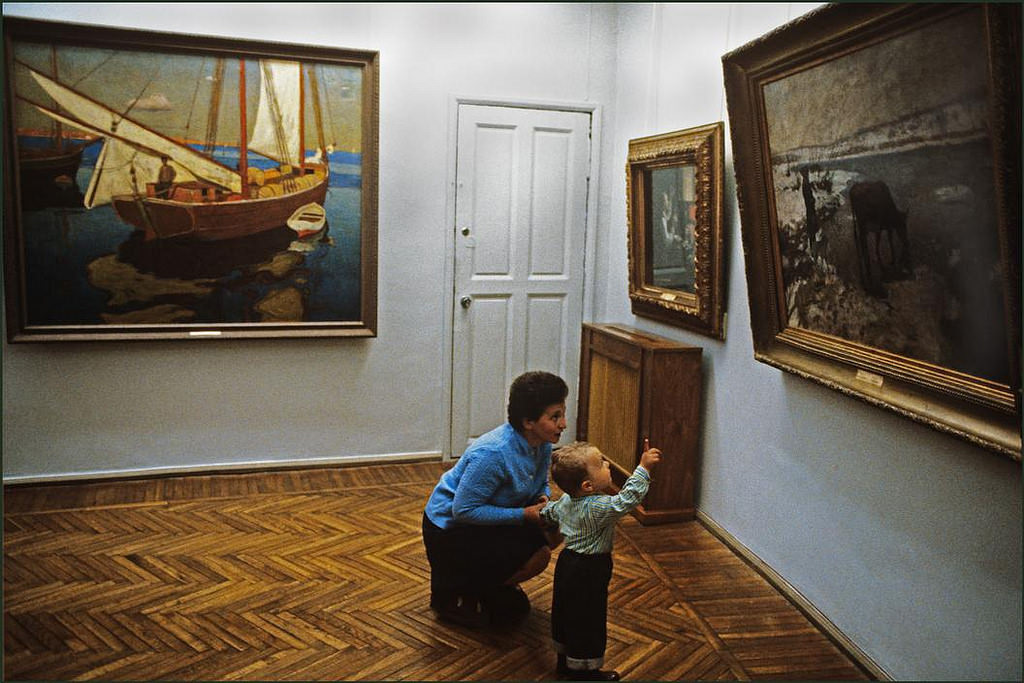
x=548, y=214
x=545, y=337
x=487, y=344
x=491, y=205
x=520, y=212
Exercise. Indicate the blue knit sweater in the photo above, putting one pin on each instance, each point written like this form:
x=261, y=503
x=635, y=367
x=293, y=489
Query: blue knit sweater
x=493, y=480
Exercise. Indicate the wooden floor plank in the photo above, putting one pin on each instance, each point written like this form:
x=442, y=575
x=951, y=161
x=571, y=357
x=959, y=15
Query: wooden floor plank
x=320, y=574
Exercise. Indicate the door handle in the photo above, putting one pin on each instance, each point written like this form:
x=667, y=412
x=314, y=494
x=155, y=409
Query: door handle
x=466, y=301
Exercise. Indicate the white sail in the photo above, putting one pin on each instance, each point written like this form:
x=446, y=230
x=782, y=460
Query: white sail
x=112, y=175
x=64, y=119
x=276, y=133
x=98, y=117
x=114, y=168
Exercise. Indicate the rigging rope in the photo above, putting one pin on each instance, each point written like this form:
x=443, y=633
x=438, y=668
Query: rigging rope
x=314, y=86
x=195, y=96
x=134, y=101
x=94, y=70
x=214, y=114
x=330, y=117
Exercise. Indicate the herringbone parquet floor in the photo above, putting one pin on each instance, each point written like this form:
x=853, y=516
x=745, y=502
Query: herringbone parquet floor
x=320, y=574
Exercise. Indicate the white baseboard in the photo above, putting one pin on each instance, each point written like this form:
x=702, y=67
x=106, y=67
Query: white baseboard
x=183, y=470
x=840, y=639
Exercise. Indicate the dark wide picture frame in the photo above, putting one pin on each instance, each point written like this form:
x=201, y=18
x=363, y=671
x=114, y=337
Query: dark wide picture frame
x=136, y=208
x=877, y=159
x=676, y=236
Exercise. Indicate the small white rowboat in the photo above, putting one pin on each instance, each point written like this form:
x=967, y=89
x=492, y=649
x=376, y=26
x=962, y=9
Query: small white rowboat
x=308, y=219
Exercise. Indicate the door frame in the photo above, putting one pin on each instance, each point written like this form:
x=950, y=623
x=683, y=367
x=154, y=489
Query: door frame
x=589, y=228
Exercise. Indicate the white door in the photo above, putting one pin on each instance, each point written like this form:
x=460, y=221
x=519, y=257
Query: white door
x=520, y=217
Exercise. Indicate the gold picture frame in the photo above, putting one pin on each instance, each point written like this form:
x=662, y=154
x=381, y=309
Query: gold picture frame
x=877, y=158
x=676, y=241
x=166, y=186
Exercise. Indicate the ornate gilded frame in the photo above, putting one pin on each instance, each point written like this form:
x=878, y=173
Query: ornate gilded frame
x=819, y=69
x=676, y=240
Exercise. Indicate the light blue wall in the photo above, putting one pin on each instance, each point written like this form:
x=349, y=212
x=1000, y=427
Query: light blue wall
x=908, y=540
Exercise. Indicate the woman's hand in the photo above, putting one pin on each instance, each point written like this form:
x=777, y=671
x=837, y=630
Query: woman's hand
x=531, y=513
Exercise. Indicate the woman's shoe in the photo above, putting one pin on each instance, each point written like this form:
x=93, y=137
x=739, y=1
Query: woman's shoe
x=463, y=610
x=507, y=604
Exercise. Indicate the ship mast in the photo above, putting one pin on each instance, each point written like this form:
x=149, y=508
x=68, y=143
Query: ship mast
x=243, y=147
x=58, y=136
x=302, y=123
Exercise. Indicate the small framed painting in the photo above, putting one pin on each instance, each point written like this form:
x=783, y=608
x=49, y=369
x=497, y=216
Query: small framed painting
x=674, y=195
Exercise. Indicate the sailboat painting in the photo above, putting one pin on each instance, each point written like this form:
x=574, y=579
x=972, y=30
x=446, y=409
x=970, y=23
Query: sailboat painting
x=208, y=187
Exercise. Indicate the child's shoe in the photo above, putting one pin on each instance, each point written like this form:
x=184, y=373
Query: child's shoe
x=593, y=675
x=565, y=673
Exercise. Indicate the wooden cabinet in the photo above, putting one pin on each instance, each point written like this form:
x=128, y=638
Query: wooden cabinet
x=634, y=384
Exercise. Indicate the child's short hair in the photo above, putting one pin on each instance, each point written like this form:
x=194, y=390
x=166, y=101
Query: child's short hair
x=569, y=465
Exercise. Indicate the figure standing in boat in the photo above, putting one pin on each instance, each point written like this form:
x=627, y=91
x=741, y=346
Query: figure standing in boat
x=165, y=179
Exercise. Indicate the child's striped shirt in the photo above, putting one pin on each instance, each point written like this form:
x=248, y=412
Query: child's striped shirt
x=588, y=522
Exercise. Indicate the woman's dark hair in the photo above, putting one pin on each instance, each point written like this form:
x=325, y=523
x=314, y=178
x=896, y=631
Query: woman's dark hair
x=531, y=393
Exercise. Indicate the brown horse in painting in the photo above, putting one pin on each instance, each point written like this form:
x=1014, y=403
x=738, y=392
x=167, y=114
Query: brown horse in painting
x=874, y=213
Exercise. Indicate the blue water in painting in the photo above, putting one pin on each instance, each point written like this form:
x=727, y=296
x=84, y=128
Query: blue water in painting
x=87, y=267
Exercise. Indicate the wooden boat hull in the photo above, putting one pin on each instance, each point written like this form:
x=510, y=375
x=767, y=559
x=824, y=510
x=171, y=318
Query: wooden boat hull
x=47, y=177
x=40, y=169
x=50, y=163
x=215, y=220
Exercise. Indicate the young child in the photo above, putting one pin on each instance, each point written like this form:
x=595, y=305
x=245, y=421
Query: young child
x=586, y=517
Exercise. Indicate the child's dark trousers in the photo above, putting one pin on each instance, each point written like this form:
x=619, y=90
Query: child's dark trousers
x=579, y=608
